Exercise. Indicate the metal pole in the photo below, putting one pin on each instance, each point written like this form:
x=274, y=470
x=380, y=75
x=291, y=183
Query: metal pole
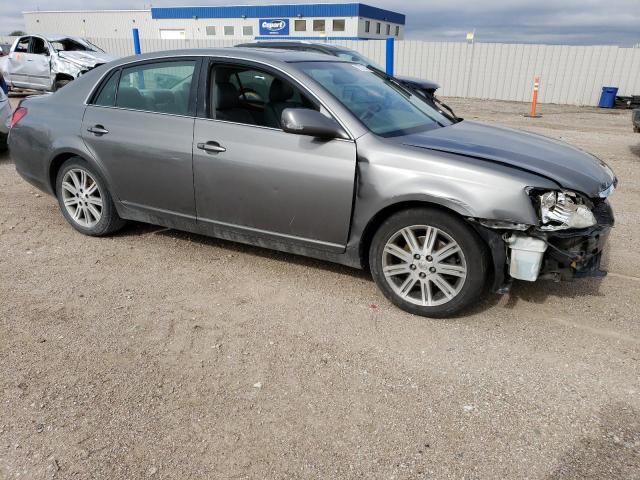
x=136, y=41
x=390, y=52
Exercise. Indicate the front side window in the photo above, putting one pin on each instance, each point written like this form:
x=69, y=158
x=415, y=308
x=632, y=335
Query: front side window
x=71, y=45
x=378, y=28
x=301, y=25
x=367, y=26
x=338, y=25
x=318, y=25
x=381, y=105
x=162, y=87
x=246, y=95
x=211, y=30
x=397, y=30
x=39, y=47
x=229, y=30
x=388, y=29
x=247, y=31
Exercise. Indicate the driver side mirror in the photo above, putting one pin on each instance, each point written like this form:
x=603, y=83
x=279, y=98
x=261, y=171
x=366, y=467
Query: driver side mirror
x=305, y=121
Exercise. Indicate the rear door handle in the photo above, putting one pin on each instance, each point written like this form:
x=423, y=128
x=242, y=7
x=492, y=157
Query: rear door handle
x=98, y=130
x=211, y=147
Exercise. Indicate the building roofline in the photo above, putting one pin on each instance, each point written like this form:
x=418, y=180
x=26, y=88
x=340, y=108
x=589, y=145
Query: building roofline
x=279, y=10
x=87, y=11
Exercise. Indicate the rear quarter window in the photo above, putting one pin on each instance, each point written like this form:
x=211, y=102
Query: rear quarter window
x=106, y=96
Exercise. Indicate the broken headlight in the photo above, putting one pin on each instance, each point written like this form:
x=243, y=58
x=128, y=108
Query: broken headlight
x=564, y=209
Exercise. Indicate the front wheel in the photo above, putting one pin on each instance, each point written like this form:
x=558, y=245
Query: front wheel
x=428, y=262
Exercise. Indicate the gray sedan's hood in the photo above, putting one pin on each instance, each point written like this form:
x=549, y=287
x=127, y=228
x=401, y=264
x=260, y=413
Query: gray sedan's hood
x=566, y=165
x=87, y=58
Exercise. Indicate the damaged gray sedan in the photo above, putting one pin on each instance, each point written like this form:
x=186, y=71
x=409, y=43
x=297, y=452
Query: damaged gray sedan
x=322, y=157
x=47, y=63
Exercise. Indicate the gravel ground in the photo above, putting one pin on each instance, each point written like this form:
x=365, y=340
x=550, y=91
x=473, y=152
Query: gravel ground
x=159, y=354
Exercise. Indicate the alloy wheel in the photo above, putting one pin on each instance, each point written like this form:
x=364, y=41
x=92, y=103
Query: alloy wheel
x=424, y=265
x=82, y=197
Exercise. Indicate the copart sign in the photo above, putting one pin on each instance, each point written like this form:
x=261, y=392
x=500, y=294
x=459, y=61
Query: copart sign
x=274, y=26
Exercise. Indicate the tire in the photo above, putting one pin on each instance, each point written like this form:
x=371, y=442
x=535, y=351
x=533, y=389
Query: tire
x=58, y=84
x=90, y=208
x=3, y=142
x=422, y=272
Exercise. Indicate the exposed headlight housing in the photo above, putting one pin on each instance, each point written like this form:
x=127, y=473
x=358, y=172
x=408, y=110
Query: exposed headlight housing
x=564, y=209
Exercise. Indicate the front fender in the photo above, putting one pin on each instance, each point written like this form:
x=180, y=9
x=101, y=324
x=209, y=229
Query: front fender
x=393, y=175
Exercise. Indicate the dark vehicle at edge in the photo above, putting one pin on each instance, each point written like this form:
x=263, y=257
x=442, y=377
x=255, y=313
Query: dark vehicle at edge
x=425, y=87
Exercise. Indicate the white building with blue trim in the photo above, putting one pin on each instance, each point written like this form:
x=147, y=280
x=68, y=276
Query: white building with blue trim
x=318, y=21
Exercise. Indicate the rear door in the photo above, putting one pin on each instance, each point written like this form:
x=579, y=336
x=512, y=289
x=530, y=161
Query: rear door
x=257, y=178
x=18, y=65
x=140, y=128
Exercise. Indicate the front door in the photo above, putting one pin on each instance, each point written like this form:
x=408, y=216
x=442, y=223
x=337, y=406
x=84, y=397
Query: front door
x=252, y=176
x=140, y=128
x=39, y=64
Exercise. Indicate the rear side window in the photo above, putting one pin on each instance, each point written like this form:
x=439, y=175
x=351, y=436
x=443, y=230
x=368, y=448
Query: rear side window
x=107, y=95
x=23, y=45
x=162, y=87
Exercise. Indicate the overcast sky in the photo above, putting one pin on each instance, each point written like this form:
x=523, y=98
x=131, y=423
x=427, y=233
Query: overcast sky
x=577, y=22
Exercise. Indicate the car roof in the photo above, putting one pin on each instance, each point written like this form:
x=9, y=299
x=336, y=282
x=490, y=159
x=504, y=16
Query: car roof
x=271, y=55
x=276, y=44
x=54, y=38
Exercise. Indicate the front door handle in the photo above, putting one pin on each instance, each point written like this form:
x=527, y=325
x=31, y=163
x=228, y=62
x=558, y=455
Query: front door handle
x=98, y=130
x=211, y=147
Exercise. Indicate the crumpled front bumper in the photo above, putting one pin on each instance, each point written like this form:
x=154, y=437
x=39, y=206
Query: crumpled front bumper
x=569, y=254
x=577, y=253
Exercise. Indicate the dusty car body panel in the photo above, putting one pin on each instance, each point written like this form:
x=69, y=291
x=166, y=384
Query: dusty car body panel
x=479, y=176
x=40, y=71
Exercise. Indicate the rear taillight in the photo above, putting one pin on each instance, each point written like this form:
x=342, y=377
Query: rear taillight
x=18, y=115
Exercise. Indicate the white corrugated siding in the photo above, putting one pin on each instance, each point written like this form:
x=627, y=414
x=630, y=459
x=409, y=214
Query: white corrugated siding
x=568, y=74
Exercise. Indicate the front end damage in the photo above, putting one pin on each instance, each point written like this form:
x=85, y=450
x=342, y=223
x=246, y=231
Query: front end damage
x=74, y=64
x=552, y=250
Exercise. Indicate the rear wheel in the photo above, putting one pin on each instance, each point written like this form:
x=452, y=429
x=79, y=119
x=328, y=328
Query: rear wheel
x=84, y=199
x=428, y=262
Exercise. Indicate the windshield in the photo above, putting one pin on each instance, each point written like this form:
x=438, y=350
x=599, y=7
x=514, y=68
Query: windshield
x=384, y=107
x=354, y=56
x=74, y=45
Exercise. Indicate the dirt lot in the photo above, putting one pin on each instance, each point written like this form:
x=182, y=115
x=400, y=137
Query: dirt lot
x=160, y=354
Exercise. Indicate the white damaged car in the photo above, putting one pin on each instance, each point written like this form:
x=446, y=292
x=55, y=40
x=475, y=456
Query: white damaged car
x=47, y=63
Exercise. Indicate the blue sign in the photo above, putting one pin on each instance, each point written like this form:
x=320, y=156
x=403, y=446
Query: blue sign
x=274, y=26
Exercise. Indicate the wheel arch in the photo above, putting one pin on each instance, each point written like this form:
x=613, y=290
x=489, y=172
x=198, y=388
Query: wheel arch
x=60, y=157
x=63, y=76
x=495, y=260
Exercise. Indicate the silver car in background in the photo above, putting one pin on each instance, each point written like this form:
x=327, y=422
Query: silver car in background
x=47, y=63
x=322, y=157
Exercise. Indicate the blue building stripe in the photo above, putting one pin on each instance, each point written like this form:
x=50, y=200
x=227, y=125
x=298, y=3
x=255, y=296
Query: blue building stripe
x=278, y=11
